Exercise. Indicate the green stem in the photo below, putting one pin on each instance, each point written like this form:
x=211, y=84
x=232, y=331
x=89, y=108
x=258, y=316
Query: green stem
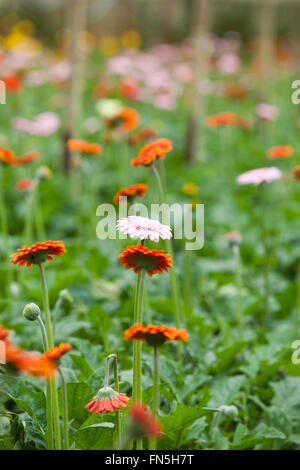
x=4, y=229
x=116, y=380
x=51, y=345
x=239, y=311
x=173, y=276
x=155, y=403
x=297, y=309
x=187, y=278
x=137, y=346
x=48, y=390
x=65, y=409
x=266, y=255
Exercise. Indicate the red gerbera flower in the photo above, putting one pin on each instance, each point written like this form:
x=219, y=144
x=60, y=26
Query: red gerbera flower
x=125, y=120
x=155, y=335
x=7, y=156
x=38, y=253
x=281, y=151
x=143, y=423
x=25, y=183
x=57, y=352
x=106, y=400
x=28, y=158
x=138, y=257
x=84, y=147
x=152, y=151
x=138, y=189
x=13, y=83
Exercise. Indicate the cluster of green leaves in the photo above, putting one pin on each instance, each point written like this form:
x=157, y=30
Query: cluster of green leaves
x=254, y=373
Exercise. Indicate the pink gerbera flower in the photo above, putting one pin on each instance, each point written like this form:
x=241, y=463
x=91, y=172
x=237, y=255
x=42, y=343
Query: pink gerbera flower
x=259, y=176
x=143, y=228
x=106, y=400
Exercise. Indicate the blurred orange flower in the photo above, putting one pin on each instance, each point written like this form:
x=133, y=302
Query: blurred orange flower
x=125, y=120
x=82, y=146
x=152, y=151
x=138, y=189
x=281, y=151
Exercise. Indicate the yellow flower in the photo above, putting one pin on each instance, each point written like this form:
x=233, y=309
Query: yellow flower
x=25, y=27
x=190, y=189
x=131, y=39
x=109, y=45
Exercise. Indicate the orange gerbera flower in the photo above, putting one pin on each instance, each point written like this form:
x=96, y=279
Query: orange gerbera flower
x=28, y=158
x=138, y=257
x=146, y=133
x=38, y=253
x=106, y=400
x=155, y=335
x=138, y=189
x=82, y=146
x=7, y=156
x=25, y=183
x=143, y=423
x=30, y=363
x=125, y=120
x=281, y=151
x=152, y=151
x=227, y=119
x=57, y=352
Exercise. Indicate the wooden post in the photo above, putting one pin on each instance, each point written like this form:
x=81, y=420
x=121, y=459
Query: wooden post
x=76, y=15
x=266, y=47
x=196, y=120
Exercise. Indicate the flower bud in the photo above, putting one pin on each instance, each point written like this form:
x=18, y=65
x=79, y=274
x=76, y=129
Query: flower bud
x=229, y=411
x=64, y=298
x=31, y=311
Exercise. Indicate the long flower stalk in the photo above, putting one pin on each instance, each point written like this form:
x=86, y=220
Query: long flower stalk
x=137, y=347
x=239, y=311
x=116, y=387
x=266, y=254
x=48, y=389
x=50, y=340
x=65, y=409
x=174, y=281
x=155, y=401
x=4, y=229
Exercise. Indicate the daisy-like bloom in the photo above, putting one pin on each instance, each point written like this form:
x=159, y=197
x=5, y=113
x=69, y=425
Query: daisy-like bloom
x=57, y=352
x=296, y=173
x=23, y=361
x=228, y=119
x=280, y=152
x=266, y=112
x=143, y=423
x=13, y=83
x=259, y=176
x=190, y=189
x=146, y=133
x=150, y=152
x=125, y=120
x=38, y=253
x=234, y=237
x=139, y=257
x=138, y=189
x=106, y=400
x=143, y=228
x=28, y=158
x=25, y=183
x=82, y=146
x=7, y=157
x=154, y=335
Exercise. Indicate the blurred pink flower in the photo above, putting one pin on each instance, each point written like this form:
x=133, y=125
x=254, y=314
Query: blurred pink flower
x=266, y=112
x=259, y=176
x=143, y=228
x=43, y=124
x=229, y=64
x=164, y=101
x=184, y=73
